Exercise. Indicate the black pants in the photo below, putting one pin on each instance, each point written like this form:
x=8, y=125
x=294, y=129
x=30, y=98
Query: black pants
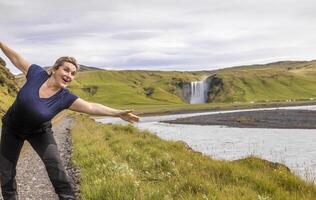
x=45, y=146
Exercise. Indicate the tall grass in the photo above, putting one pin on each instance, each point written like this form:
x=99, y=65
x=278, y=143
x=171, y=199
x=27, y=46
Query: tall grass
x=122, y=162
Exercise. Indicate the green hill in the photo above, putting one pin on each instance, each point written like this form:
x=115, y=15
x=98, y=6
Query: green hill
x=285, y=81
x=133, y=87
x=8, y=87
x=157, y=91
x=281, y=81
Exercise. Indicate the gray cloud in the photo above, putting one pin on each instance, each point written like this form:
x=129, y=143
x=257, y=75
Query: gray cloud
x=135, y=35
x=164, y=34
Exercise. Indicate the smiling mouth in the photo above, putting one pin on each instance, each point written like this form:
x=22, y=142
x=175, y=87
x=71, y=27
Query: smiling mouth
x=66, y=80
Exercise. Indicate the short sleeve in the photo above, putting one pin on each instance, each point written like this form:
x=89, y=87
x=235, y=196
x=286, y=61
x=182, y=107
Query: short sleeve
x=33, y=71
x=68, y=99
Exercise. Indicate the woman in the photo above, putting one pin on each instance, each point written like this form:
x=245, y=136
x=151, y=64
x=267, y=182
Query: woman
x=29, y=118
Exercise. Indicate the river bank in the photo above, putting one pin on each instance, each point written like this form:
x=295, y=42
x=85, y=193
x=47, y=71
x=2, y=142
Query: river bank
x=293, y=147
x=187, y=109
x=279, y=118
x=137, y=164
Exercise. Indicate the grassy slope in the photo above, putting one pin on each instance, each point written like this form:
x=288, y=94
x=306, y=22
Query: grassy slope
x=276, y=82
x=121, y=162
x=8, y=88
x=129, y=87
x=273, y=82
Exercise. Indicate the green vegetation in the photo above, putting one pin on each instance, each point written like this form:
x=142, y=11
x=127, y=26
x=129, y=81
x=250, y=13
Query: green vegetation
x=156, y=91
x=282, y=81
x=121, y=88
x=8, y=88
x=121, y=162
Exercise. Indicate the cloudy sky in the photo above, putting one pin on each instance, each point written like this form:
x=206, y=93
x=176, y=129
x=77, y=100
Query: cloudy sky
x=160, y=34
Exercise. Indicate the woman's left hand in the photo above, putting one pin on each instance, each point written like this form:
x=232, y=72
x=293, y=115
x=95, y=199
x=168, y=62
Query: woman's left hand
x=127, y=115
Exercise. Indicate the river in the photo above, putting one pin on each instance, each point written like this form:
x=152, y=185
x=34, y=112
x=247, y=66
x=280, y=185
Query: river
x=296, y=148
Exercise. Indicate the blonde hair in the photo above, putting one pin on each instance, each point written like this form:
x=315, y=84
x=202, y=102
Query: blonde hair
x=60, y=61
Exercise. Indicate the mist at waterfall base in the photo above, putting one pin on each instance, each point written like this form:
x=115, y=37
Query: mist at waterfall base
x=199, y=91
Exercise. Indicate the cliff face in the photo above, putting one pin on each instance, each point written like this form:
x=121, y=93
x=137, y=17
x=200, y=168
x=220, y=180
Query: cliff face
x=8, y=87
x=216, y=87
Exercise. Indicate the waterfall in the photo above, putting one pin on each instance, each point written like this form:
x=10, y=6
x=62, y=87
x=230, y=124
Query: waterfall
x=199, y=92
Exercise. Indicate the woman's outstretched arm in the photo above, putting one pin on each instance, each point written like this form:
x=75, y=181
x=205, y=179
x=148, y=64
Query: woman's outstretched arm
x=17, y=60
x=83, y=106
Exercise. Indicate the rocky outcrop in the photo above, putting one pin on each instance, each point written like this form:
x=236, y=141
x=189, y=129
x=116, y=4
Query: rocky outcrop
x=7, y=79
x=186, y=92
x=8, y=88
x=216, y=86
x=149, y=91
x=91, y=90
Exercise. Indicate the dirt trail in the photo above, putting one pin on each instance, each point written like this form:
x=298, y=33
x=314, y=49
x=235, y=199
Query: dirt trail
x=32, y=179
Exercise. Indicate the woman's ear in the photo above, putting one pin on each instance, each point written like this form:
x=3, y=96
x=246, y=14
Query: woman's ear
x=55, y=69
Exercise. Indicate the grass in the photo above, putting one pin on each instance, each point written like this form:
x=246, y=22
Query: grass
x=272, y=82
x=132, y=87
x=159, y=92
x=165, y=109
x=152, y=91
x=122, y=162
x=8, y=88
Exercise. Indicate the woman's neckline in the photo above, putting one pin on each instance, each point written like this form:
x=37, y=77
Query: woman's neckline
x=46, y=98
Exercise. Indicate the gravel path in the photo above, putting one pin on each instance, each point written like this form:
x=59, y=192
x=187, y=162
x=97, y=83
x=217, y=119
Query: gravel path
x=32, y=179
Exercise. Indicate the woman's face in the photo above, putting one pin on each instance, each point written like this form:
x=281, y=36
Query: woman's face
x=65, y=74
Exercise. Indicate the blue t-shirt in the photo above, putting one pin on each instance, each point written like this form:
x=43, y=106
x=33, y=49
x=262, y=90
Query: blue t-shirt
x=29, y=111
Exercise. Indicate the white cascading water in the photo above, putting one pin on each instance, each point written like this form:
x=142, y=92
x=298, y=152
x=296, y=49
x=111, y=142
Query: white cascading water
x=199, y=92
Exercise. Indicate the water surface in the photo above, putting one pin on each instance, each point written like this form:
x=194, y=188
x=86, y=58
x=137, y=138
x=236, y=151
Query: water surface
x=295, y=148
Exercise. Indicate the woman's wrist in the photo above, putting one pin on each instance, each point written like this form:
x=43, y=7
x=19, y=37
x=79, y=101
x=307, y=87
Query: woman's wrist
x=117, y=113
